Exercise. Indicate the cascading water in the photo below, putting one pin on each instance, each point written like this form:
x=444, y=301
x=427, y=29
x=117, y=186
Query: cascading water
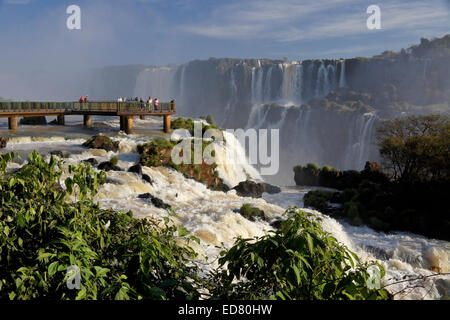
x=360, y=136
x=271, y=85
x=210, y=215
x=342, y=75
x=157, y=82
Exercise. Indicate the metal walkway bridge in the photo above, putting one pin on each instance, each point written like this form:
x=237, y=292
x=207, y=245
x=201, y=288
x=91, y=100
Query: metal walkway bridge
x=125, y=110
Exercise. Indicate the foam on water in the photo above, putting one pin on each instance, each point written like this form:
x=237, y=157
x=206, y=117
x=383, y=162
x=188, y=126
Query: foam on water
x=212, y=217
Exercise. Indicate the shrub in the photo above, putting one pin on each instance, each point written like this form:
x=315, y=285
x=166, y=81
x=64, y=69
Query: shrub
x=44, y=229
x=318, y=199
x=210, y=120
x=114, y=161
x=299, y=261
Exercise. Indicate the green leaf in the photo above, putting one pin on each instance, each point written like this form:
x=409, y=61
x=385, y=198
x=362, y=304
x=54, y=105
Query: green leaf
x=182, y=231
x=52, y=268
x=297, y=273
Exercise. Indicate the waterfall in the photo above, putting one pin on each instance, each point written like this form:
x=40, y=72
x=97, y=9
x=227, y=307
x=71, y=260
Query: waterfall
x=360, y=137
x=182, y=93
x=292, y=85
x=267, y=85
x=342, y=75
x=426, y=65
x=157, y=82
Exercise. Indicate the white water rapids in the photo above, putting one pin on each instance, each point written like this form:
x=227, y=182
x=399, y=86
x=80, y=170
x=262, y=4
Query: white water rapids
x=210, y=215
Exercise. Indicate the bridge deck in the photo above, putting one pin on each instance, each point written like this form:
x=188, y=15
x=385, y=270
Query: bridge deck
x=125, y=110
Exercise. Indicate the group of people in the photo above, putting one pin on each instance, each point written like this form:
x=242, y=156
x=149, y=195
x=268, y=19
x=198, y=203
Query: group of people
x=149, y=102
x=84, y=99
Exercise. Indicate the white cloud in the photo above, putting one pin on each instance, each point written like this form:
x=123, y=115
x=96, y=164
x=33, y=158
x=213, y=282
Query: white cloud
x=287, y=21
x=17, y=1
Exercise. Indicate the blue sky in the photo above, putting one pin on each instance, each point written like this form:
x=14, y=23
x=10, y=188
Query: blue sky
x=33, y=33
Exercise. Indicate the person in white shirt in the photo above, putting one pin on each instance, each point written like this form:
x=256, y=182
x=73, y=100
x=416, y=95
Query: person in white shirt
x=120, y=99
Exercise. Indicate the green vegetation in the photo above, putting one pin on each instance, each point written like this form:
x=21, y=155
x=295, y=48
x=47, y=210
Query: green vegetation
x=159, y=153
x=46, y=228
x=114, y=161
x=318, y=199
x=43, y=232
x=299, y=261
x=416, y=148
x=410, y=196
x=188, y=124
x=251, y=213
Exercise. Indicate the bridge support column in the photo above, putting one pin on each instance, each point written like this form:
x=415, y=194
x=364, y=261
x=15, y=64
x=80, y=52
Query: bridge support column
x=128, y=122
x=12, y=123
x=167, y=121
x=87, y=122
x=122, y=123
x=142, y=117
x=61, y=120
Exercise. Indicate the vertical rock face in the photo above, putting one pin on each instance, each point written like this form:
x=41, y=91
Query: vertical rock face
x=274, y=94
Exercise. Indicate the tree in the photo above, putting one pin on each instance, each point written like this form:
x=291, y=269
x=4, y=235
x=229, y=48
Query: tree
x=416, y=148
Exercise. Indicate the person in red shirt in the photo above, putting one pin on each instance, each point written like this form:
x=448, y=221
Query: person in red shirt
x=81, y=99
x=156, y=103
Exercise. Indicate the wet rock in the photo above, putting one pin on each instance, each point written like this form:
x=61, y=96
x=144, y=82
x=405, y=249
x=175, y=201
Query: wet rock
x=252, y=213
x=276, y=224
x=53, y=122
x=101, y=142
x=269, y=188
x=147, y=178
x=249, y=189
x=91, y=161
x=137, y=168
x=3, y=142
x=57, y=153
x=108, y=166
x=155, y=201
x=221, y=187
x=39, y=120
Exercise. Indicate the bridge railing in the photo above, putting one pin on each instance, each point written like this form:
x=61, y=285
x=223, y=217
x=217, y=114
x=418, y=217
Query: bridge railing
x=95, y=106
x=32, y=106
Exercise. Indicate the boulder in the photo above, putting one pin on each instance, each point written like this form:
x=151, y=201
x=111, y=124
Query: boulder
x=221, y=187
x=39, y=120
x=57, y=153
x=108, y=166
x=249, y=189
x=91, y=161
x=147, y=178
x=155, y=201
x=252, y=213
x=3, y=142
x=101, y=142
x=276, y=224
x=137, y=168
x=269, y=188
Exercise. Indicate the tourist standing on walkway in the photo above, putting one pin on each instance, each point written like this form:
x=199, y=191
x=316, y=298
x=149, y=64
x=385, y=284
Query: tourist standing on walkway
x=156, y=103
x=81, y=99
x=149, y=103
